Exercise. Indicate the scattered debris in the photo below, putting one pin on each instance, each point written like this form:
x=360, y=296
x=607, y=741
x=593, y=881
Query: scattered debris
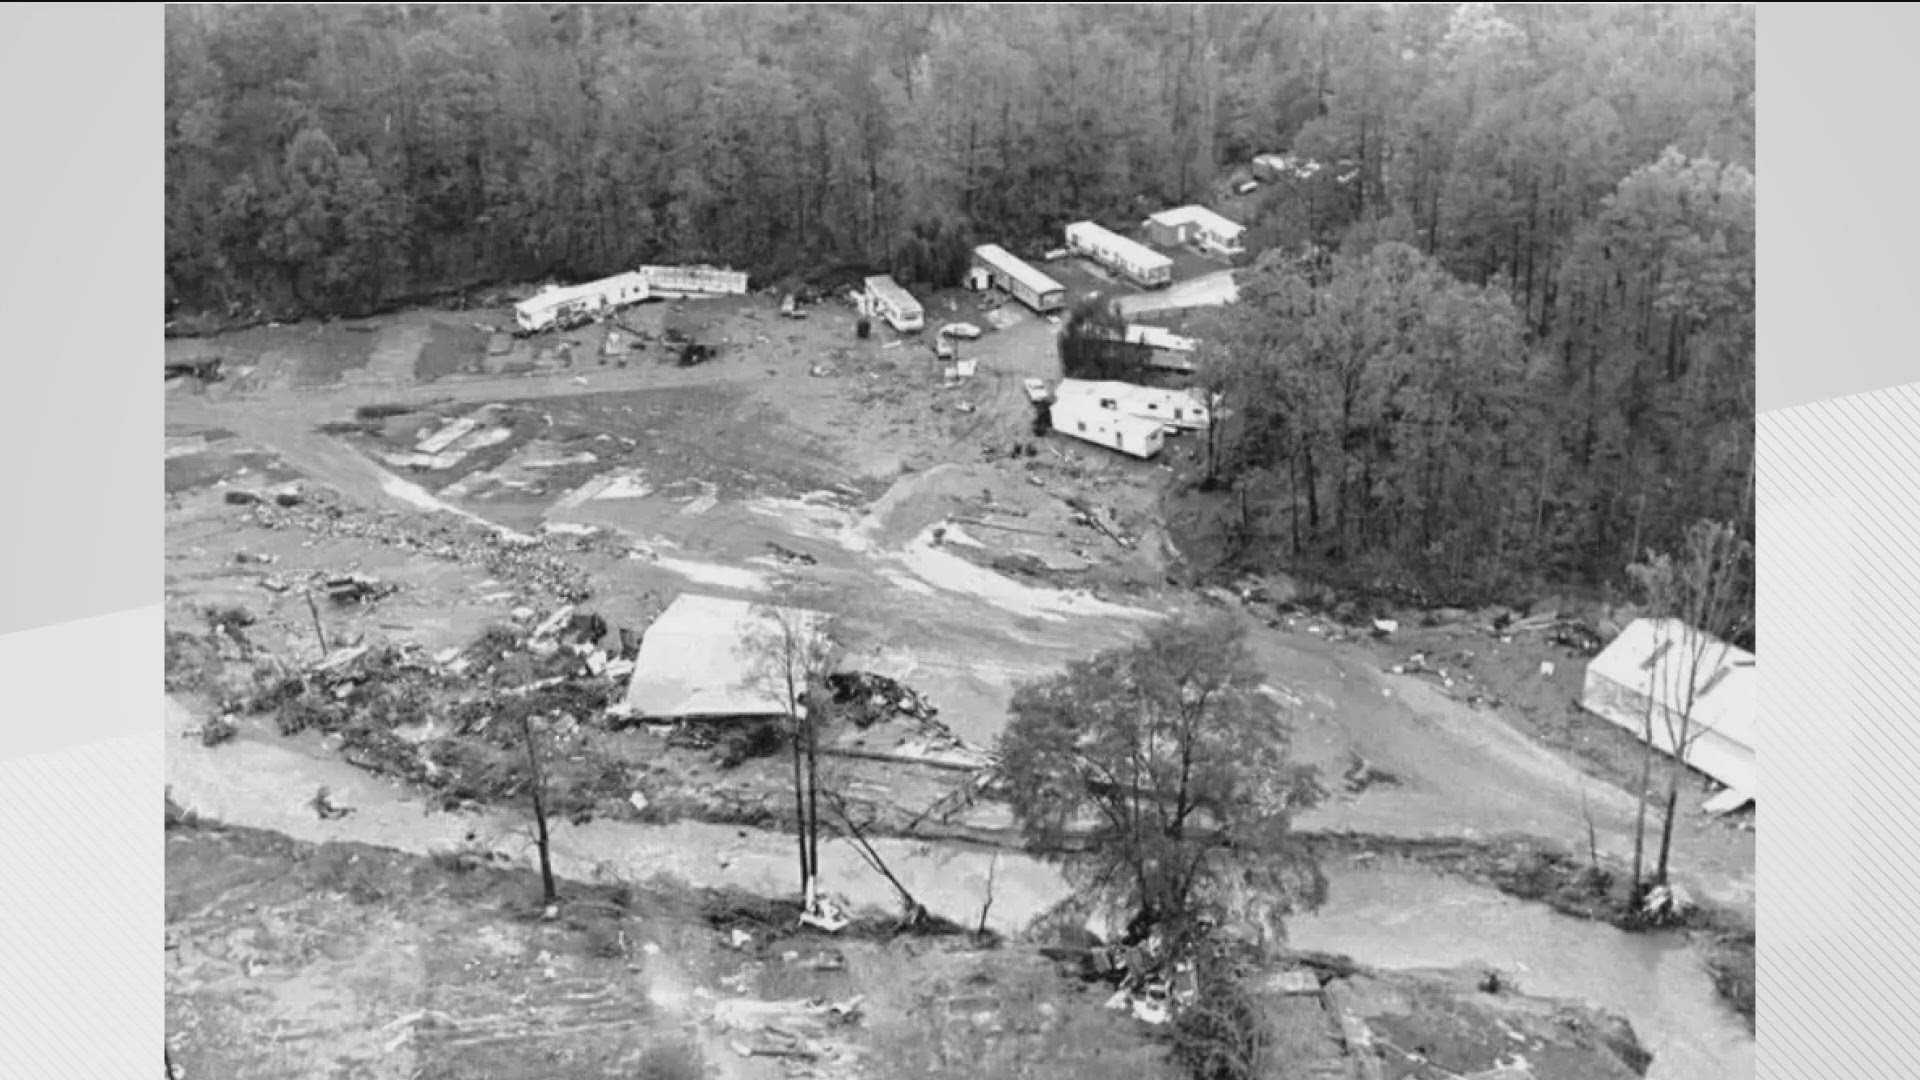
x=322, y=804
x=867, y=699
x=346, y=589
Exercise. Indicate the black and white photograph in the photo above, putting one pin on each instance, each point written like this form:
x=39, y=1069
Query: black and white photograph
x=964, y=541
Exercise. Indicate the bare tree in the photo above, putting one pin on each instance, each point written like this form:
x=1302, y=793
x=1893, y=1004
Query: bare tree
x=537, y=785
x=1700, y=598
x=792, y=652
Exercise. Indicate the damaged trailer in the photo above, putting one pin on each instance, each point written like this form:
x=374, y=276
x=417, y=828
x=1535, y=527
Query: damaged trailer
x=575, y=305
x=1176, y=409
x=1084, y=418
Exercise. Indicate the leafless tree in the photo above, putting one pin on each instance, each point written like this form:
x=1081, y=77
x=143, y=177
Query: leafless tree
x=791, y=652
x=1699, y=595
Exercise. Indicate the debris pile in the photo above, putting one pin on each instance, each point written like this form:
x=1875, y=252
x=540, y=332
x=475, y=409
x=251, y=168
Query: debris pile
x=531, y=563
x=345, y=589
x=867, y=699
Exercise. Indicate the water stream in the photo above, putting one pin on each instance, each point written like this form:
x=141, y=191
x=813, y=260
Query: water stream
x=1388, y=916
x=1400, y=916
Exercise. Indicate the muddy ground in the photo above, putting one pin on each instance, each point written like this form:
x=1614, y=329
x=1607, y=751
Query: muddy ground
x=289, y=959
x=488, y=482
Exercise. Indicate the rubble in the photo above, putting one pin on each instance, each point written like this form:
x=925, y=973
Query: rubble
x=344, y=589
x=867, y=699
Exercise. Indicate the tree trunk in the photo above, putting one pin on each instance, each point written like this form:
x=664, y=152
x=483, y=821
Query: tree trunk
x=1666, y=835
x=1640, y=816
x=800, y=814
x=813, y=795
x=539, y=785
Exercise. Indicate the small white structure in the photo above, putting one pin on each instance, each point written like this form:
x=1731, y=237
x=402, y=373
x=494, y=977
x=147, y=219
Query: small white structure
x=572, y=305
x=885, y=299
x=1136, y=262
x=696, y=661
x=1084, y=418
x=1157, y=337
x=1178, y=409
x=686, y=282
x=1018, y=278
x=1198, y=226
x=1648, y=667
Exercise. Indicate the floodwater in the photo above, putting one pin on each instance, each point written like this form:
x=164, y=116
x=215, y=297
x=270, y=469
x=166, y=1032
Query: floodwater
x=1397, y=917
x=1400, y=916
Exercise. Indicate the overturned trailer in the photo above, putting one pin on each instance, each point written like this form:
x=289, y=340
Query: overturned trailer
x=1173, y=409
x=1084, y=418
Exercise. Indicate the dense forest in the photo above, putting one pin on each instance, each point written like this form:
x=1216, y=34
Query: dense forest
x=1508, y=324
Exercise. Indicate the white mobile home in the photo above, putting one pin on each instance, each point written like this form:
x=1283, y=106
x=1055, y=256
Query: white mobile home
x=1136, y=262
x=694, y=281
x=1198, y=226
x=1645, y=671
x=1170, y=408
x=575, y=304
x=1019, y=279
x=887, y=300
x=1157, y=337
x=1083, y=418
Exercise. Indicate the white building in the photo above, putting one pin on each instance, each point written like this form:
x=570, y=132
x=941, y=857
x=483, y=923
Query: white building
x=575, y=304
x=1018, y=279
x=885, y=299
x=1198, y=226
x=694, y=281
x=1084, y=418
x=1648, y=668
x=1180, y=409
x=696, y=660
x=1134, y=261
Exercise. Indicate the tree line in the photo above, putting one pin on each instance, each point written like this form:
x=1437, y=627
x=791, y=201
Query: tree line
x=1501, y=317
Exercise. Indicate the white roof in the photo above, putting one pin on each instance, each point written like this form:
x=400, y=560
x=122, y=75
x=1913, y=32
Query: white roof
x=694, y=661
x=1158, y=337
x=558, y=295
x=1201, y=216
x=1725, y=682
x=1125, y=423
x=1017, y=268
x=1123, y=391
x=1136, y=253
x=884, y=286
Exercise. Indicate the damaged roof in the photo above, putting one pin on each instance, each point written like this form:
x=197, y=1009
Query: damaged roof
x=695, y=660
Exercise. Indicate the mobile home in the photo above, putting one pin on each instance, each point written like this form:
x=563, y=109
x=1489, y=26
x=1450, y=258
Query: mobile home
x=1177, y=409
x=1198, y=226
x=885, y=298
x=1083, y=418
x=686, y=282
x=1138, y=263
x=1643, y=674
x=572, y=305
x=1019, y=279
